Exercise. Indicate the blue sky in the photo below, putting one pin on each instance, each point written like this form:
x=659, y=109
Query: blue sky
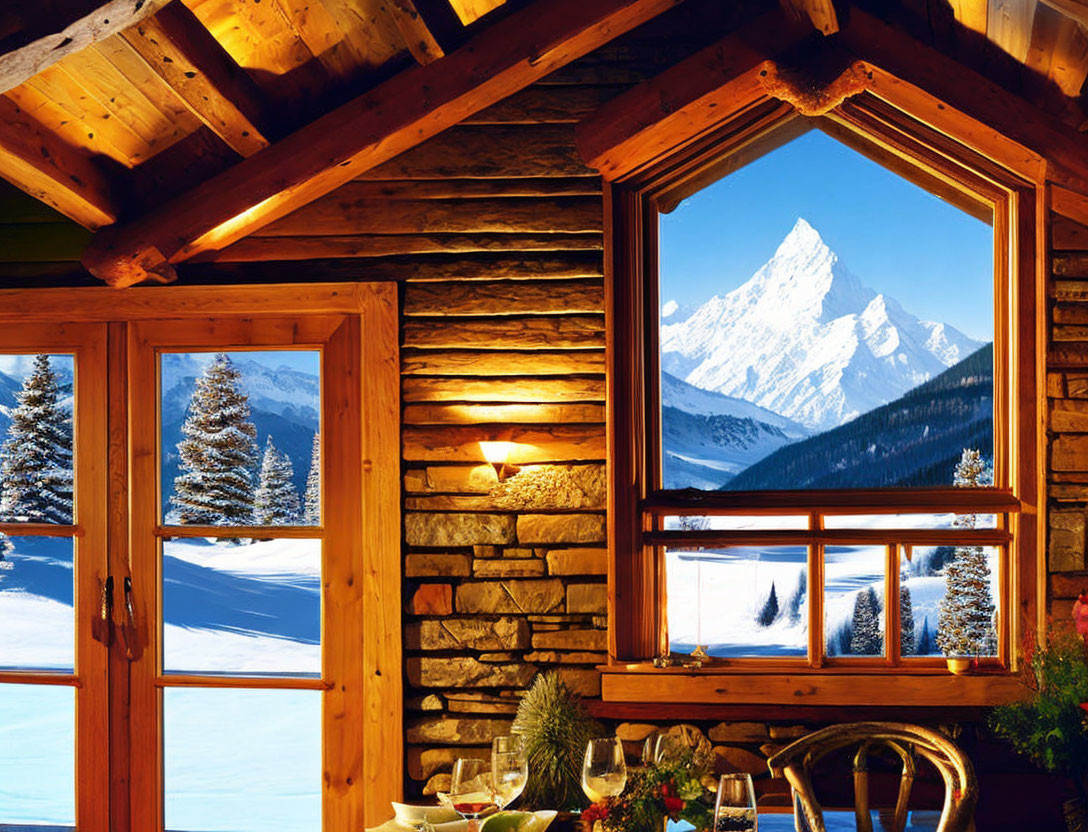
x=896, y=237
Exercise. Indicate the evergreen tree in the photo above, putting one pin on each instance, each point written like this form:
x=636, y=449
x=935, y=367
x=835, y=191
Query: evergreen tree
x=218, y=451
x=769, y=613
x=966, y=612
x=925, y=640
x=276, y=501
x=798, y=598
x=36, y=459
x=867, y=638
x=312, y=513
x=906, y=622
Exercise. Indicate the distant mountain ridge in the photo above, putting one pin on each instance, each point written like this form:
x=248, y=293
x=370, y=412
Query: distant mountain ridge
x=709, y=437
x=805, y=339
x=915, y=440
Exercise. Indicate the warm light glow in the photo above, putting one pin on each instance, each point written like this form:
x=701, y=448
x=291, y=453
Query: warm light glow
x=497, y=453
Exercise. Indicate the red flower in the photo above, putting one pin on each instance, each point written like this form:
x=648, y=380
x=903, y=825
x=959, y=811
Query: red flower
x=673, y=805
x=1080, y=614
x=1084, y=705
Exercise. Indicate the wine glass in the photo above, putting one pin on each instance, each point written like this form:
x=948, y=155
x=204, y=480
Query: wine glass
x=649, y=749
x=604, y=772
x=735, y=808
x=509, y=768
x=668, y=748
x=470, y=790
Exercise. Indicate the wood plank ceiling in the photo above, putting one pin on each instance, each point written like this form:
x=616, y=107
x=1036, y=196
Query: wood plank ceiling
x=112, y=111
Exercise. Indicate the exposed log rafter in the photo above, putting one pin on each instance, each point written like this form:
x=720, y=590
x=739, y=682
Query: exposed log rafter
x=177, y=47
x=820, y=13
x=431, y=28
x=1076, y=9
x=45, y=32
x=35, y=160
x=398, y=114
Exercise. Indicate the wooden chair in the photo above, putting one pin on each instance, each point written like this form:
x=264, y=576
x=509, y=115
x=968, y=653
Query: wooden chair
x=797, y=760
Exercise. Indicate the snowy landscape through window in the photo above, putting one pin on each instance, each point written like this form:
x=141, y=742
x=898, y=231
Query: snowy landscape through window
x=826, y=325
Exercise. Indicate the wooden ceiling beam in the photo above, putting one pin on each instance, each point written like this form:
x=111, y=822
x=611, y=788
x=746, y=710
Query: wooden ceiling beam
x=638, y=126
x=820, y=13
x=967, y=105
x=396, y=115
x=431, y=28
x=37, y=161
x=177, y=48
x=1076, y=9
x=43, y=32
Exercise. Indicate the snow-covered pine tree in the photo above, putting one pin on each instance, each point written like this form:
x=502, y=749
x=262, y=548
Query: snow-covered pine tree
x=800, y=593
x=867, y=638
x=311, y=515
x=769, y=613
x=218, y=451
x=966, y=612
x=36, y=459
x=276, y=501
x=906, y=622
x=925, y=640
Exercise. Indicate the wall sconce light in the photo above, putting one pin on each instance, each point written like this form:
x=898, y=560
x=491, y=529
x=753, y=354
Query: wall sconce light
x=497, y=453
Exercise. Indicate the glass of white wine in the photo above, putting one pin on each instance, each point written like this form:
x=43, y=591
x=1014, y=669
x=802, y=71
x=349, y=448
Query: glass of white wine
x=509, y=768
x=735, y=809
x=604, y=772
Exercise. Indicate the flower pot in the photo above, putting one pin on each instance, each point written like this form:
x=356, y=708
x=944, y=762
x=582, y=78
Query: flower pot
x=958, y=664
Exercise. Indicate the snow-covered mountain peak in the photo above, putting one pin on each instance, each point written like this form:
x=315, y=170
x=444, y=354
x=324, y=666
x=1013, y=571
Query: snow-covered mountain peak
x=803, y=337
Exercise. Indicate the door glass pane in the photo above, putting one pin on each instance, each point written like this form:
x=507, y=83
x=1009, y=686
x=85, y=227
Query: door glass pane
x=242, y=760
x=36, y=613
x=36, y=435
x=37, y=755
x=854, y=613
x=739, y=601
x=240, y=442
x=242, y=607
x=949, y=601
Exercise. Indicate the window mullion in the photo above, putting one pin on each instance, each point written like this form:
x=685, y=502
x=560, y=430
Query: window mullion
x=892, y=622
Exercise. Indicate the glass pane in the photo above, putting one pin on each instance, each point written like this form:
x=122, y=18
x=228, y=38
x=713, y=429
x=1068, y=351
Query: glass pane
x=240, y=442
x=825, y=323
x=910, y=521
x=854, y=616
x=242, y=760
x=37, y=755
x=742, y=601
x=36, y=400
x=36, y=612
x=949, y=601
x=735, y=522
x=242, y=607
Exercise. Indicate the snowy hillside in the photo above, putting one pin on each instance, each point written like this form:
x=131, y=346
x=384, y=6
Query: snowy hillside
x=709, y=437
x=804, y=338
x=249, y=609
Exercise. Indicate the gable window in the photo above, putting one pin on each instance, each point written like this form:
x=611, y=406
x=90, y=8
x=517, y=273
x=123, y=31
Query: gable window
x=829, y=377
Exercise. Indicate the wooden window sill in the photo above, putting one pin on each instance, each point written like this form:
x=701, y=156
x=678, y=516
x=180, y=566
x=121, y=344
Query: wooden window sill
x=852, y=687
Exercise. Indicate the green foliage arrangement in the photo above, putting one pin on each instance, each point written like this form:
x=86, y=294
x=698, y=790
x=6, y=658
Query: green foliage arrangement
x=1050, y=725
x=556, y=728
x=675, y=789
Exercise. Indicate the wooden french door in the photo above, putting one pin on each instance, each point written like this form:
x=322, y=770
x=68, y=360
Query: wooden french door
x=247, y=662
x=55, y=625
x=206, y=672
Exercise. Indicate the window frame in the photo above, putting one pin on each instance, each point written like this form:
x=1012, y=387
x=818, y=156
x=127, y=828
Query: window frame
x=946, y=163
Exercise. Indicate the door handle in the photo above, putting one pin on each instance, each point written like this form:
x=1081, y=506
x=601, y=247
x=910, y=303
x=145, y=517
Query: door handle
x=128, y=627
x=102, y=626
